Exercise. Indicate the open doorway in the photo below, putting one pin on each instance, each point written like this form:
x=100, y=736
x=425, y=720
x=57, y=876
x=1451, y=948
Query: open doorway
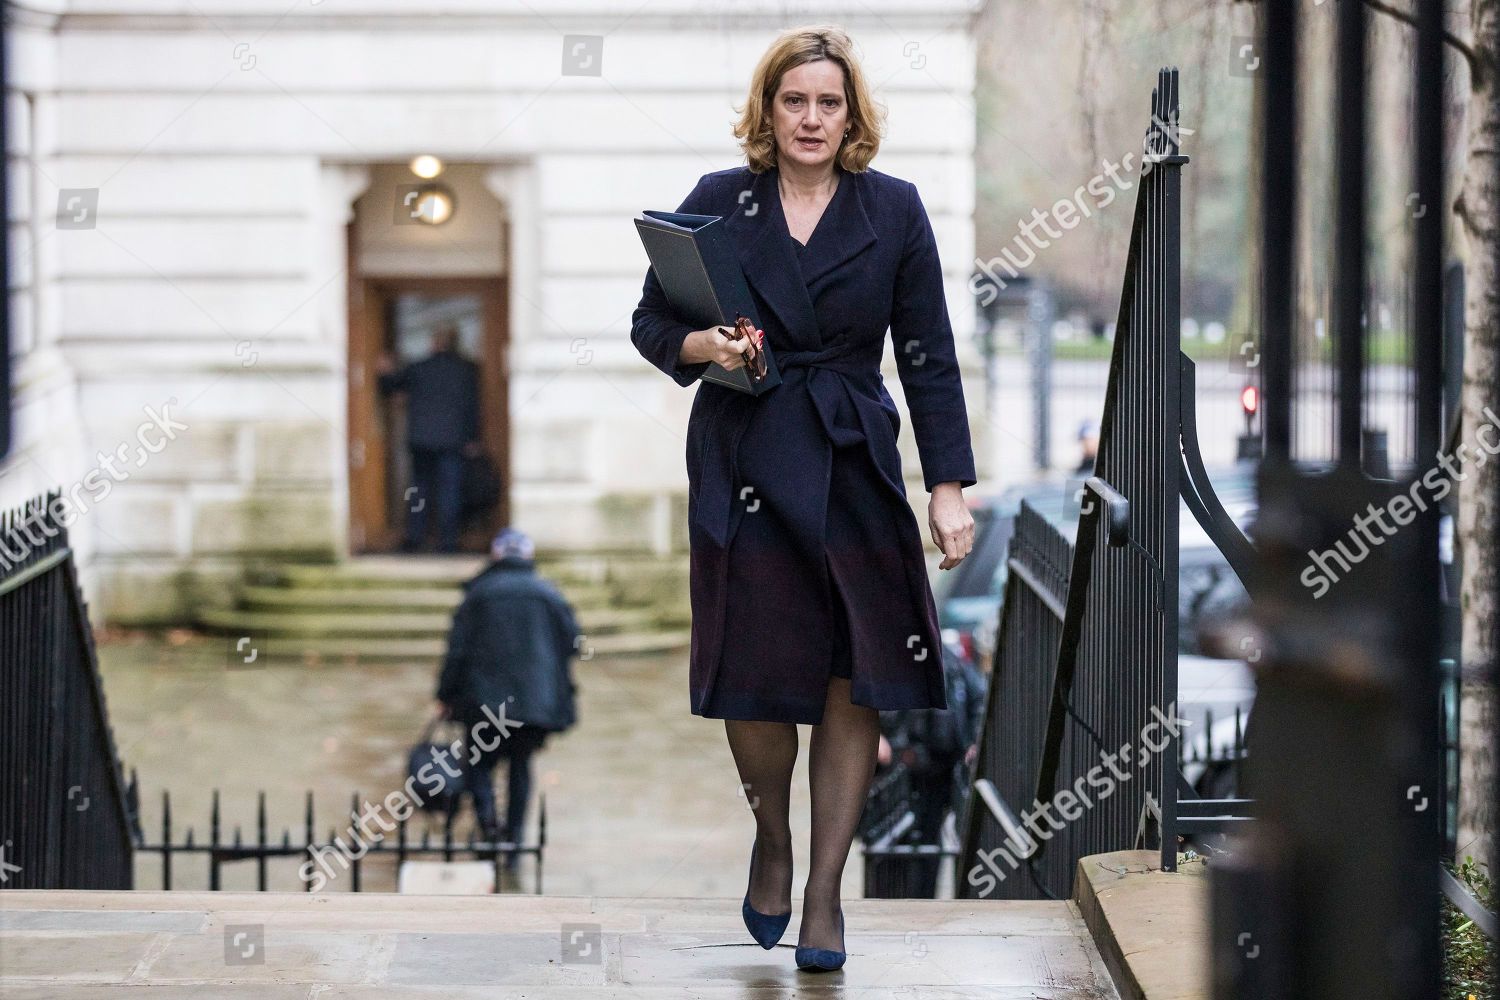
x=393, y=324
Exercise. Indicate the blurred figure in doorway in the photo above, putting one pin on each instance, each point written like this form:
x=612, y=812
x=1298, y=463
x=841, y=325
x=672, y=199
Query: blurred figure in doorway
x=442, y=427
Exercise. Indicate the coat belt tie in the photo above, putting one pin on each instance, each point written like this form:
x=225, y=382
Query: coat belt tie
x=715, y=504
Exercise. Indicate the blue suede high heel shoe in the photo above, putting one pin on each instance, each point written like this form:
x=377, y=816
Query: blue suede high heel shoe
x=766, y=928
x=823, y=959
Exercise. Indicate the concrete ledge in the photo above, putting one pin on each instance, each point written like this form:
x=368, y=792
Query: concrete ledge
x=1151, y=926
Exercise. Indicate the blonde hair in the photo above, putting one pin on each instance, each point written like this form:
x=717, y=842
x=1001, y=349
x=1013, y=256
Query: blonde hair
x=792, y=48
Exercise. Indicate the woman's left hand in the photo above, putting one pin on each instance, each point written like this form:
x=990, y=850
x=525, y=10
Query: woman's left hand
x=951, y=524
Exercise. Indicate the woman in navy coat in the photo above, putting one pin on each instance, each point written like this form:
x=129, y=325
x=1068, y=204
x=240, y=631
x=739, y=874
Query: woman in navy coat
x=809, y=596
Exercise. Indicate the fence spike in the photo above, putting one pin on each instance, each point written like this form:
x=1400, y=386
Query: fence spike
x=166, y=839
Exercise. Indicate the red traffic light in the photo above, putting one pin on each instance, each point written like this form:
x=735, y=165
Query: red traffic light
x=1249, y=399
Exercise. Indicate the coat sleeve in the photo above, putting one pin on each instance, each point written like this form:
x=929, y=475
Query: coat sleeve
x=568, y=632
x=925, y=356
x=656, y=333
x=393, y=381
x=453, y=681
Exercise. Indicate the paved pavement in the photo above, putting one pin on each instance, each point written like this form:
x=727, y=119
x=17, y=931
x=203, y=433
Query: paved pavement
x=74, y=945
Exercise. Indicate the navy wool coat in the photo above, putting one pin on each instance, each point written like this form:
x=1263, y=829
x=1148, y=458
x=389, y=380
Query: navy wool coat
x=512, y=643
x=870, y=265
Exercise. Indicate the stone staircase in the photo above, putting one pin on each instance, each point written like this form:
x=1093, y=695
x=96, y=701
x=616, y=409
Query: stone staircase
x=398, y=608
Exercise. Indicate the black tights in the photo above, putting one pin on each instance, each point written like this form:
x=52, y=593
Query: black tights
x=841, y=767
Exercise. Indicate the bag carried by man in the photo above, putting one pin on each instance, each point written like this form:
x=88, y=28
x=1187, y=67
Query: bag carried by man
x=436, y=771
x=480, y=490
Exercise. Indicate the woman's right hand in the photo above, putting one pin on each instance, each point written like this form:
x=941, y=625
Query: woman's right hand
x=713, y=345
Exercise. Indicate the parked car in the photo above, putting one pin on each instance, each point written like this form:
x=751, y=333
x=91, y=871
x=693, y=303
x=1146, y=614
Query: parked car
x=1211, y=689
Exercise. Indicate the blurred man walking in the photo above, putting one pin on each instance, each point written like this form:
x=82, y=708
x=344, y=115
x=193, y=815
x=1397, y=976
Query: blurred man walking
x=507, y=676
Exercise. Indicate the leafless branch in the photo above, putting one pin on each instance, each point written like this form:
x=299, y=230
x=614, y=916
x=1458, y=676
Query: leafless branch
x=1476, y=67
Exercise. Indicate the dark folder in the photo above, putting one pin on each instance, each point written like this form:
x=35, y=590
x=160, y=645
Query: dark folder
x=702, y=279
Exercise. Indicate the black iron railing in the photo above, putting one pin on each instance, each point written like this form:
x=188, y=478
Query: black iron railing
x=64, y=816
x=1083, y=738
x=1338, y=888
x=68, y=820
x=337, y=863
x=1011, y=743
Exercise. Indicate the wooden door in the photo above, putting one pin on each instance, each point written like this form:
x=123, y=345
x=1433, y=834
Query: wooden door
x=369, y=518
x=388, y=316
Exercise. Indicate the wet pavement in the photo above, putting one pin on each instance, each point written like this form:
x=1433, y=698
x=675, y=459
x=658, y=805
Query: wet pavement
x=642, y=796
x=292, y=946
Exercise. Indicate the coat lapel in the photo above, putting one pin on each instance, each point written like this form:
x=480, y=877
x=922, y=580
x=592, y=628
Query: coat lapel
x=763, y=244
x=842, y=234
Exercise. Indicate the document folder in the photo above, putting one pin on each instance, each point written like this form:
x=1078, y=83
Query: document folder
x=702, y=279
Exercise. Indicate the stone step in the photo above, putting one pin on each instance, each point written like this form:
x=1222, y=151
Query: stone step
x=421, y=571
x=380, y=650
x=333, y=625
x=445, y=598
x=293, y=600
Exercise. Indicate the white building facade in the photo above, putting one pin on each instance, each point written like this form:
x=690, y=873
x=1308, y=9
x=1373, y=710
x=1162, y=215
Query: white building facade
x=210, y=251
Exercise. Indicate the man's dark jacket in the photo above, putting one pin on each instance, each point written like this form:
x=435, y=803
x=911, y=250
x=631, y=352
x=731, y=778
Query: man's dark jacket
x=442, y=400
x=512, y=641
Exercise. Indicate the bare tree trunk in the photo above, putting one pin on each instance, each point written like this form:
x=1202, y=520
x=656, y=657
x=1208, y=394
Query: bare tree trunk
x=1478, y=211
